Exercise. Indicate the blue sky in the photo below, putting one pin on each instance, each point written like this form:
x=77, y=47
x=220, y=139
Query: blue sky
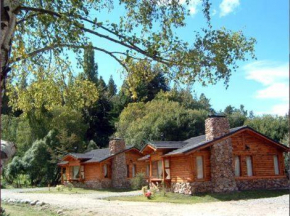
x=261, y=85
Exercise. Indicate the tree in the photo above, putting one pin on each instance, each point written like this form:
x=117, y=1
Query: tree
x=157, y=120
x=112, y=88
x=275, y=127
x=44, y=30
x=90, y=67
x=92, y=145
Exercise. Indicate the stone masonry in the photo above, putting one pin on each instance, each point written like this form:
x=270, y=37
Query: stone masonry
x=119, y=168
x=222, y=170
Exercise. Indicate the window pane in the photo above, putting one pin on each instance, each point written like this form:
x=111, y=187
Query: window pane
x=166, y=163
x=249, y=166
x=76, y=172
x=237, y=166
x=199, y=165
x=167, y=173
x=159, y=169
x=276, y=165
x=147, y=170
x=155, y=169
x=105, y=170
x=133, y=170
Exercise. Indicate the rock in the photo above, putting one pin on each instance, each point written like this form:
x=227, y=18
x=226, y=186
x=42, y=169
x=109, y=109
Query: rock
x=40, y=203
x=59, y=212
x=33, y=202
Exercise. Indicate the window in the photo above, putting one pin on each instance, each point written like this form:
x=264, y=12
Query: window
x=64, y=173
x=276, y=165
x=148, y=170
x=134, y=170
x=199, y=165
x=237, y=166
x=167, y=169
x=128, y=171
x=249, y=166
x=105, y=171
x=75, y=172
x=157, y=169
x=82, y=172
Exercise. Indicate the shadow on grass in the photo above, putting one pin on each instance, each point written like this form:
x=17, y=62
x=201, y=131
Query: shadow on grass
x=246, y=195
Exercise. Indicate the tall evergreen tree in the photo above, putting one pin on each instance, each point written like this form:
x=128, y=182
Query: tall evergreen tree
x=112, y=88
x=90, y=67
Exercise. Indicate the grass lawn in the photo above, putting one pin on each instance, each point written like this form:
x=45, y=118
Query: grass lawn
x=53, y=190
x=25, y=210
x=203, y=198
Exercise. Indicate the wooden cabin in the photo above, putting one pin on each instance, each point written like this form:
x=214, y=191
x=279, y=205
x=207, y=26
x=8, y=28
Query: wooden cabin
x=222, y=160
x=102, y=168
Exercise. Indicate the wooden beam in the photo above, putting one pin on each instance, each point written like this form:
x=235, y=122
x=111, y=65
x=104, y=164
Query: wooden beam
x=150, y=169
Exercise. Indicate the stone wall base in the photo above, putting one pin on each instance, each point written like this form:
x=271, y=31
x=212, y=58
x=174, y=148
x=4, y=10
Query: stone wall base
x=190, y=188
x=250, y=184
x=98, y=184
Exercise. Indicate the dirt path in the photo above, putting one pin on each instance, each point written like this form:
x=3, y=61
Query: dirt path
x=91, y=204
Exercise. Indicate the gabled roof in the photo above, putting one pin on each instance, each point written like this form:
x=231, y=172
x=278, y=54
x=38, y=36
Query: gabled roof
x=164, y=145
x=200, y=141
x=96, y=155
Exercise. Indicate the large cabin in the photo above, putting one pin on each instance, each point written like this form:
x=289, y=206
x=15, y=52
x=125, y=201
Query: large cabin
x=222, y=160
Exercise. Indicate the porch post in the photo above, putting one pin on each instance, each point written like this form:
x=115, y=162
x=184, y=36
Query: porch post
x=61, y=173
x=150, y=169
x=163, y=168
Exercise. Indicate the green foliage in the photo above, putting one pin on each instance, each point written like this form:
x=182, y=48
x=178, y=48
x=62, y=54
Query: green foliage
x=159, y=119
x=13, y=171
x=69, y=186
x=59, y=188
x=92, y=145
x=138, y=181
x=275, y=127
x=144, y=31
x=3, y=212
x=112, y=88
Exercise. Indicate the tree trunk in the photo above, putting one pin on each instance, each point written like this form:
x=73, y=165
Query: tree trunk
x=8, y=24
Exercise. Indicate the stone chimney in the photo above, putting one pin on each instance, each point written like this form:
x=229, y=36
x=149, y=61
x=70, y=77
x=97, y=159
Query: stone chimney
x=116, y=145
x=119, y=167
x=222, y=170
x=216, y=126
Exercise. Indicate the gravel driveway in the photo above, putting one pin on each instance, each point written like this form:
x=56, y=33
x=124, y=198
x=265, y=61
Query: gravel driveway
x=91, y=204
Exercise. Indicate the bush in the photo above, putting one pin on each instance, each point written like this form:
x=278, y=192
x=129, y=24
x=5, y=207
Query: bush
x=69, y=186
x=3, y=213
x=138, y=181
x=59, y=187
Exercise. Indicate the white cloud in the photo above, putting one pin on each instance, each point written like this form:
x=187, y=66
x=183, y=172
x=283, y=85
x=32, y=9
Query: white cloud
x=280, y=109
x=213, y=12
x=275, y=91
x=275, y=79
x=228, y=6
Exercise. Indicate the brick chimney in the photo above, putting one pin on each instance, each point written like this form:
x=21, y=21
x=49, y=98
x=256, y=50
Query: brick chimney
x=222, y=170
x=119, y=167
x=117, y=145
x=216, y=126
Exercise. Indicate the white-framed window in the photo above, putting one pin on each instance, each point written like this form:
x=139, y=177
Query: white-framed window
x=82, y=172
x=199, y=167
x=276, y=165
x=75, y=172
x=105, y=170
x=237, y=166
x=249, y=165
x=167, y=169
x=147, y=170
x=134, y=170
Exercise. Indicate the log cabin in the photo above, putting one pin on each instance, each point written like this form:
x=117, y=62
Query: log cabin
x=102, y=168
x=222, y=160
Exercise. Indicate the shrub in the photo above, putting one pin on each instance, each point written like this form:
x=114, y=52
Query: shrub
x=69, y=186
x=138, y=181
x=59, y=187
x=3, y=213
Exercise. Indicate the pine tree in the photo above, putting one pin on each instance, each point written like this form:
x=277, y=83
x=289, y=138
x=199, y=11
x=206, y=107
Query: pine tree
x=90, y=67
x=112, y=88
